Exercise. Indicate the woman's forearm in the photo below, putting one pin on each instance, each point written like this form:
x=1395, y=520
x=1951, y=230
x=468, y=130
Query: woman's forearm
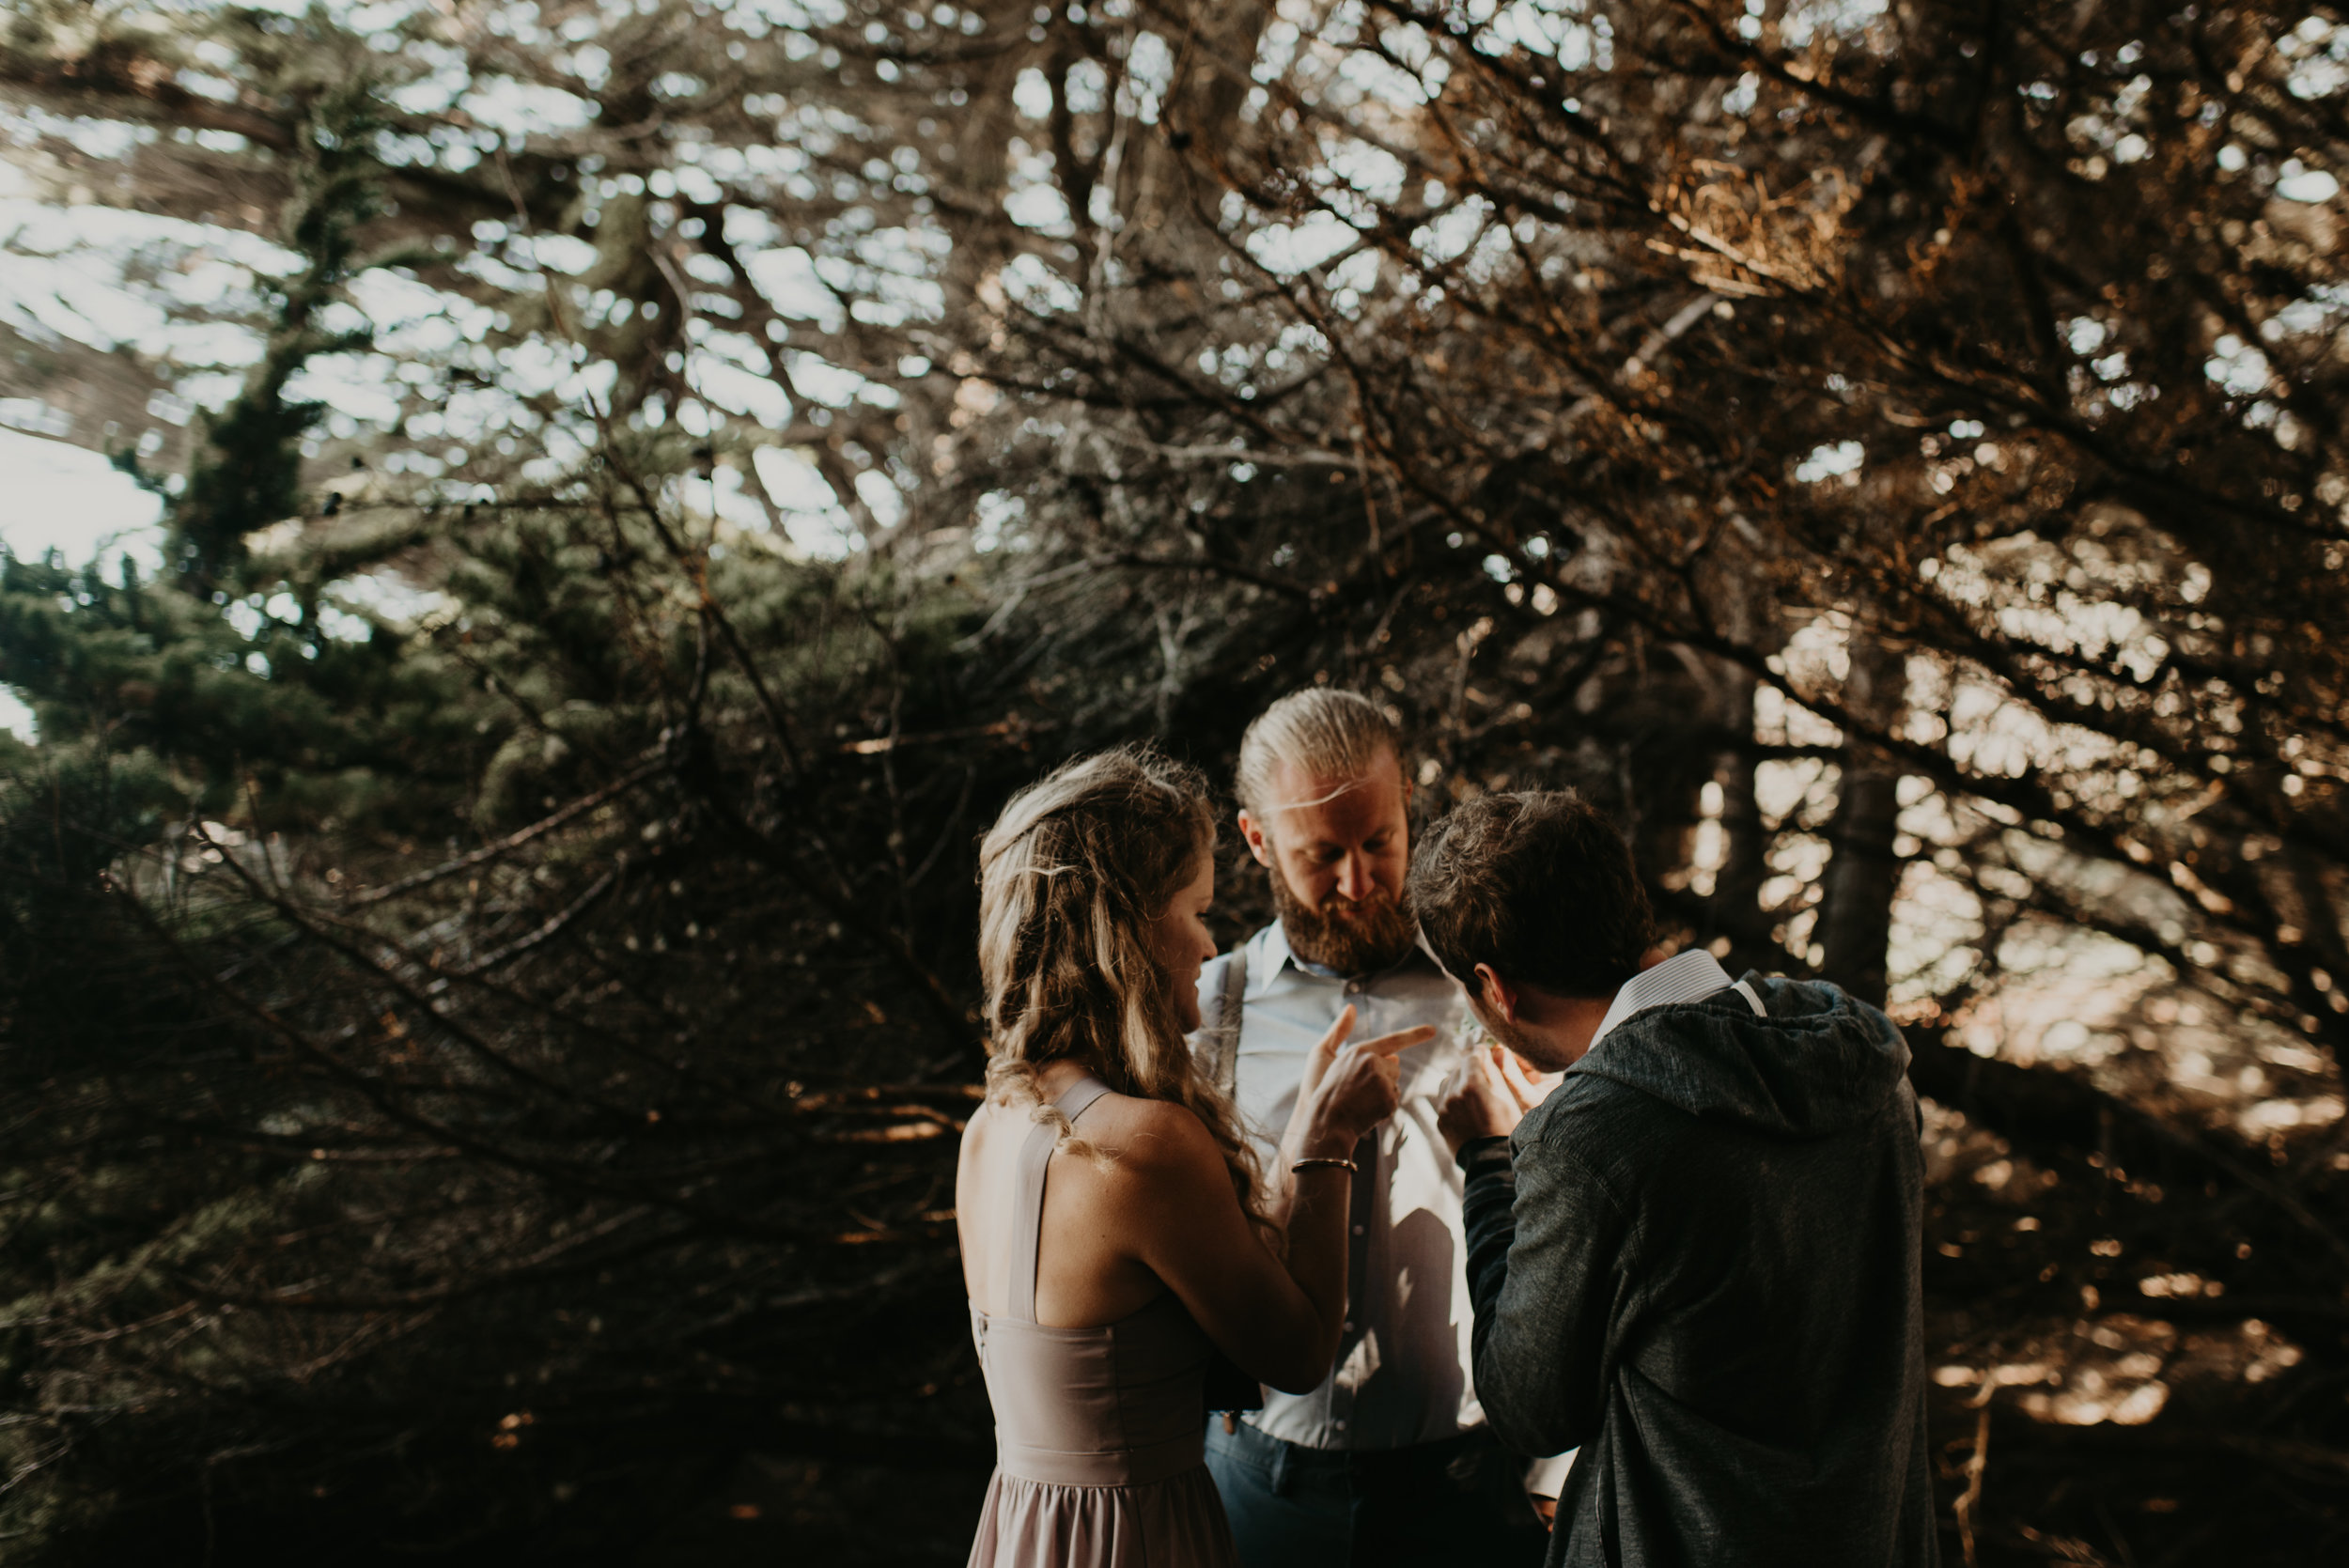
x=1307, y=1136
x=1313, y=1205
x=1321, y=1198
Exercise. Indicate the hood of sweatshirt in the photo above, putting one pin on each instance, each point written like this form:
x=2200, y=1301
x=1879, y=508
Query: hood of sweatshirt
x=1819, y=1063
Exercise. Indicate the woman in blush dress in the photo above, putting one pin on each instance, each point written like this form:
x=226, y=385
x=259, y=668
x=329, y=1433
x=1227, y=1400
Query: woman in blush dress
x=1115, y=1231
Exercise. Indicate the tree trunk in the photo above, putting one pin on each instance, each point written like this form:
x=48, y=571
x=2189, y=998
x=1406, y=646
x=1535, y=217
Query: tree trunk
x=1736, y=903
x=1856, y=910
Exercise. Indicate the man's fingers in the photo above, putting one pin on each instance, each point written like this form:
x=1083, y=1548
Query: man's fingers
x=1401, y=1040
x=1521, y=1083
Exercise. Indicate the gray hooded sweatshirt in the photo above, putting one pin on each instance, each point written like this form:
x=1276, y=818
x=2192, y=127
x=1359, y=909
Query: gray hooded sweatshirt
x=1697, y=1261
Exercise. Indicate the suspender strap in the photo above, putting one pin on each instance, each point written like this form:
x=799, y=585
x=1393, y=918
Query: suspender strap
x=1216, y=1046
x=1028, y=1214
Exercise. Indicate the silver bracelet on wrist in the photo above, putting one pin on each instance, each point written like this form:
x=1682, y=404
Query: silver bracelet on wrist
x=1345, y=1165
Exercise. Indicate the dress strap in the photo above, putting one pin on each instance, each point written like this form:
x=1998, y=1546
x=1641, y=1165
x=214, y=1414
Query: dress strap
x=1028, y=1200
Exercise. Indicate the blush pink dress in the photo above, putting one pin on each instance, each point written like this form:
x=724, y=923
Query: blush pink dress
x=1099, y=1433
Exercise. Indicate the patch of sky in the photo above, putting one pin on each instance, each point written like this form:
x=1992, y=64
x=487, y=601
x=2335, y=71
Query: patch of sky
x=536, y=366
x=819, y=380
x=2237, y=366
x=748, y=228
x=729, y=498
x=209, y=389
x=2301, y=183
x=996, y=515
x=383, y=594
x=1804, y=21
x=523, y=109
x=1034, y=286
x=792, y=13
x=1835, y=461
x=792, y=284
x=1277, y=51
x=1288, y=249
x=557, y=253
x=203, y=83
x=1087, y=87
x=696, y=183
x=888, y=503
x=470, y=411
x=494, y=272
x=36, y=416
x=1452, y=234
x=1032, y=95
x=1357, y=271
x=1537, y=30
x=724, y=375
x=106, y=277
x=813, y=518
x=414, y=320
x=376, y=19
x=1409, y=72
x=73, y=500
x=704, y=268
x=436, y=91
x=1150, y=70
x=1372, y=172
x=359, y=387
x=1034, y=203
x=2315, y=311
x=1302, y=339
x=105, y=140
x=2320, y=54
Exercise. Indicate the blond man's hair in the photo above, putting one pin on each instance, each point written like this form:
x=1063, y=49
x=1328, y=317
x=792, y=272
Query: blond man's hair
x=1327, y=732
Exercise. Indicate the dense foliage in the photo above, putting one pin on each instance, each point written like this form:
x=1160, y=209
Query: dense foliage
x=487, y=988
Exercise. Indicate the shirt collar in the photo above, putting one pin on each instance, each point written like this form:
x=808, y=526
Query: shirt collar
x=1273, y=955
x=1685, y=977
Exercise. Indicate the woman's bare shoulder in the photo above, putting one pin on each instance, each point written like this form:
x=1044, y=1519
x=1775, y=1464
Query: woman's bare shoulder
x=1151, y=1135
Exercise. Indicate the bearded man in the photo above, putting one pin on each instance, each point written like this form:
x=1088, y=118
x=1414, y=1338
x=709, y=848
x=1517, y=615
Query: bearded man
x=1389, y=1461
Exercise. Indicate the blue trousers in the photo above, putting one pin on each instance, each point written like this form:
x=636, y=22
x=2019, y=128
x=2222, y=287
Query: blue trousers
x=1434, y=1505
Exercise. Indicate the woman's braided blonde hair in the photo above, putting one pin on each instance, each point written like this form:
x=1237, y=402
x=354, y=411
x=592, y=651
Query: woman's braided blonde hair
x=1071, y=877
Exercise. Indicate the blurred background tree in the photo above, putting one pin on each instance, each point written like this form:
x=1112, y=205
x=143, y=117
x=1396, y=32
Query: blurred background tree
x=487, y=921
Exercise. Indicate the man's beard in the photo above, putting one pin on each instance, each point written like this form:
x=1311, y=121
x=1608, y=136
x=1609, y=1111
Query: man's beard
x=1343, y=936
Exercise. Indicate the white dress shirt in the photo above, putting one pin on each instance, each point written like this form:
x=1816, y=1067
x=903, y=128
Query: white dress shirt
x=1404, y=1373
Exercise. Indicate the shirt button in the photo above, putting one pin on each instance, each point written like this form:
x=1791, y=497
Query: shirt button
x=1337, y=1426
x=1358, y=1230
x=1348, y=1326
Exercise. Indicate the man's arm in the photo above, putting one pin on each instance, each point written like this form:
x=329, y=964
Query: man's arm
x=1545, y=1267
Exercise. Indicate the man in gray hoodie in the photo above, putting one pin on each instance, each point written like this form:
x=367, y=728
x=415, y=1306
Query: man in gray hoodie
x=1697, y=1257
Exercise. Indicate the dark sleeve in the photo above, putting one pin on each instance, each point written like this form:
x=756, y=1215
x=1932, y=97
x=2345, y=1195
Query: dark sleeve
x=1545, y=1246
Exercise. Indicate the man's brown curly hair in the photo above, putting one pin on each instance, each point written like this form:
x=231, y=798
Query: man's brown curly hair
x=1540, y=886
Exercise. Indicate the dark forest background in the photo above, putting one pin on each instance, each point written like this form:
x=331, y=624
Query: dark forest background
x=486, y=978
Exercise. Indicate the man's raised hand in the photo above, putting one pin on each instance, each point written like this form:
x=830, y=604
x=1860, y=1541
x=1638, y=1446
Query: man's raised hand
x=1490, y=1100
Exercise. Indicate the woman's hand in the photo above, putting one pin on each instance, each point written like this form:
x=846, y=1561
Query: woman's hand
x=1347, y=1089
